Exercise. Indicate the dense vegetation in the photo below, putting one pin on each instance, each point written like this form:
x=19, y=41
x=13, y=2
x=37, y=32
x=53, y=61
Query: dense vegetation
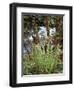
x=42, y=56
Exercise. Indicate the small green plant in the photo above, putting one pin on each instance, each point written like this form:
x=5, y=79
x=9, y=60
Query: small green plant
x=43, y=63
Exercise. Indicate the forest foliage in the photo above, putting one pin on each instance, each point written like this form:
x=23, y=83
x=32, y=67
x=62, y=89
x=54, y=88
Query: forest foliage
x=44, y=54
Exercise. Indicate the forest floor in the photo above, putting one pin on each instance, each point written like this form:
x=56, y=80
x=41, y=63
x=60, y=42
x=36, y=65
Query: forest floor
x=40, y=63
